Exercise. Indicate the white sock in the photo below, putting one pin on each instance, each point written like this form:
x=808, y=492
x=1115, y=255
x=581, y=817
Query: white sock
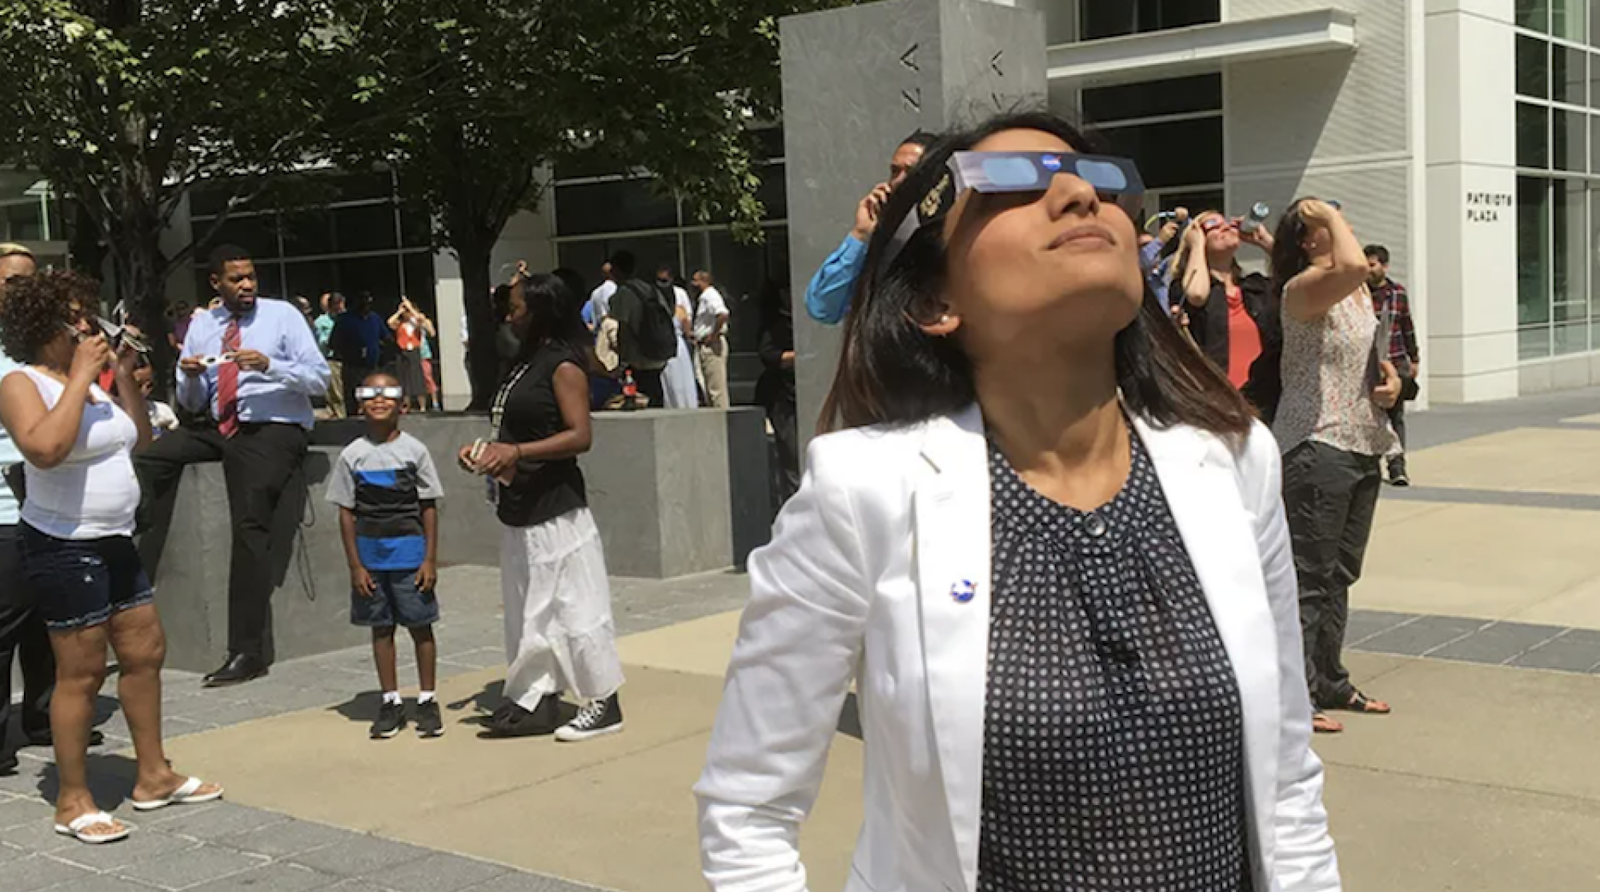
x=424, y=697
x=392, y=697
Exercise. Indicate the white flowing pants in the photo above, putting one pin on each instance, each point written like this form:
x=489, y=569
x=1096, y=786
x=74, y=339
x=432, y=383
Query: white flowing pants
x=559, y=632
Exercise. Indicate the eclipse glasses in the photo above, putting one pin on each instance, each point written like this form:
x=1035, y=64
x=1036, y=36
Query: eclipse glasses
x=998, y=173
x=372, y=393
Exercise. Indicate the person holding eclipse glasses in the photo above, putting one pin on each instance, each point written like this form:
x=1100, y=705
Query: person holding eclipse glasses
x=1042, y=541
x=1233, y=317
x=76, y=538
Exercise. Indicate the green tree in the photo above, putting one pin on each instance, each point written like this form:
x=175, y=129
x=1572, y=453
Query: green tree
x=488, y=93
x=126, y=105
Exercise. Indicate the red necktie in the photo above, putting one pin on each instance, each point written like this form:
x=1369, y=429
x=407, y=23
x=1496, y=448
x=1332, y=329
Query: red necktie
x=228, y=383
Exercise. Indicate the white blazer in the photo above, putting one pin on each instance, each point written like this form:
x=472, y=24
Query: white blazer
x=856, y=586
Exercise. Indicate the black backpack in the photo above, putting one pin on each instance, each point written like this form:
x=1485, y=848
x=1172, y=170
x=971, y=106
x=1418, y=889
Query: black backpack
x=655, y=328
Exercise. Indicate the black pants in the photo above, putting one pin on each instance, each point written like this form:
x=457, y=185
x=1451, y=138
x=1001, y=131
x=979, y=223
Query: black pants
x=1397, y=417
x=354, y=376
x=1330, y=496
x=258, y=464
x=786, y=437
x=22, y=633
x=649, y=383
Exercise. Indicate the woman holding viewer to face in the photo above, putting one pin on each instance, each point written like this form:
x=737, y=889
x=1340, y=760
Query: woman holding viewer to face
x=1044, y=544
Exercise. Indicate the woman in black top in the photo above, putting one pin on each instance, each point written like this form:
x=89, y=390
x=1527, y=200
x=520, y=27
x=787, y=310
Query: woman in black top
x=559, y=632
x=1219, y=298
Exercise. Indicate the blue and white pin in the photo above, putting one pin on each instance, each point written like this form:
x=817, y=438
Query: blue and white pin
x=963, y=591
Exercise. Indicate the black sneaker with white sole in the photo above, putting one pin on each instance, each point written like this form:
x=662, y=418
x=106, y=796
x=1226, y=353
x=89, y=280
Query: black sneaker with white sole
x=596, y=718
x=391, y=718
x=429, y=722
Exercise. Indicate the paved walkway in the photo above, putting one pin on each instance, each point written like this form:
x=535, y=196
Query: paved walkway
x=1479, y=617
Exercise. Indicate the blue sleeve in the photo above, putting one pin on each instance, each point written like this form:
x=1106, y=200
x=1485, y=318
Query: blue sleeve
x=1148, y=255
x=828, y=295
x=193, y=394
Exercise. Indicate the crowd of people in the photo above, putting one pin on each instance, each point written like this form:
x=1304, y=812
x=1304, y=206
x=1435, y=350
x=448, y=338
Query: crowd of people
x=1088, y=507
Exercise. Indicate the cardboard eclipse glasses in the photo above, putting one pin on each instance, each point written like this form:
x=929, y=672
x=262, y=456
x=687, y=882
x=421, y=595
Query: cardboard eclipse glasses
x=993, y=173
x=372, y=393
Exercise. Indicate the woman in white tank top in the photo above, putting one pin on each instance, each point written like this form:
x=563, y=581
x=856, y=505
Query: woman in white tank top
x=77, y=538
x=1332, y=426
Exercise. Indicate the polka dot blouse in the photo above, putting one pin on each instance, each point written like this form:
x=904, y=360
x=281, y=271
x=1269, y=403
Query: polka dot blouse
x=1113, y=753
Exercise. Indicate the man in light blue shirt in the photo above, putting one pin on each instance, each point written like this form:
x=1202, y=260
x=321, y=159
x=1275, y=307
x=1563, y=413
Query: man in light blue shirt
x=828, y=295
x=252, y=364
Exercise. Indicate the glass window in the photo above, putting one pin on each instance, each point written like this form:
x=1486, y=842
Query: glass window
x=369, y=227
x=1534, y=14
x=419, y=282
x=1594, y=23
x=1571, y=240
x=1114, y=18
x=1533, y=343
x=378, y=276
x=1533, y=251
x=1103, y=105
x=1569, y=134
x=1152, y=147
x=620, y=206
x=257, y=234
x=584, y=258
x=1594, y=80
x=1533, y=136
x=307, y=233
x=1569, y=19
x=1568, y=76
x=22, y=222
x=312, y=278
x=1533, y=67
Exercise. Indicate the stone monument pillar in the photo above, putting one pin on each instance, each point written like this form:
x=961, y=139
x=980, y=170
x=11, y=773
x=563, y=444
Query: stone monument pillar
x=858, y=80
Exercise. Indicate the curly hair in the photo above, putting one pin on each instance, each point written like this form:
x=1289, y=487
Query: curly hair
x=34, y=310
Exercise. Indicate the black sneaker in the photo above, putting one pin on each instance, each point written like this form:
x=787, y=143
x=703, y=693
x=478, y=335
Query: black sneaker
x=1399, y=478
x=391, y=718
x=511, y=720
x=429, y=723
x=596, y=718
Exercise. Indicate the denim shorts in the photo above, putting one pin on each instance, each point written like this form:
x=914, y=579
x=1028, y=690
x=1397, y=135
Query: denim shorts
x=397, y=602
x=79, y=583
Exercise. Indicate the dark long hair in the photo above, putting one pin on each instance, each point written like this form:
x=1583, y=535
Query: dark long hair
x=1289, y=257
x=555, y=317
x=890, y=372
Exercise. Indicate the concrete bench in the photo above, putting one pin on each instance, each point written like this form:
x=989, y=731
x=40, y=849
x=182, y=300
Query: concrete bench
x=673, y=492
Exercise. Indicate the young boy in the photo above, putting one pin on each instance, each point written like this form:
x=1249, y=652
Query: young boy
x=385, y=485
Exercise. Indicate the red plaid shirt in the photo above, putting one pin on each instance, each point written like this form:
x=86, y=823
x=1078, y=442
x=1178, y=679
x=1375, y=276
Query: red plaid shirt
x=1403, y=351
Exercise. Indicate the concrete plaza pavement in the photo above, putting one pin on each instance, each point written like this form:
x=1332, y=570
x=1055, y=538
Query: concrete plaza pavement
x=1478, y=617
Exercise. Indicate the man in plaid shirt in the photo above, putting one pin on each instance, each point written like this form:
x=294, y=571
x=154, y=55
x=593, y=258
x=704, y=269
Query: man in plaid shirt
x=1390, y=296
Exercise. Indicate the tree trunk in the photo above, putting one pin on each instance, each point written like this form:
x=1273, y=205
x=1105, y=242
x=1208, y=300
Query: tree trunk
x=141, y=274
x=476, y=285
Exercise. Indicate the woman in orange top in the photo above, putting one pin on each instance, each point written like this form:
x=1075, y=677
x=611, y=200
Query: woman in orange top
x=410, y=326
x=1233, y=317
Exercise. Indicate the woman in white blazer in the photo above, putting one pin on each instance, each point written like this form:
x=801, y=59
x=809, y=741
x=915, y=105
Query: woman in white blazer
x=1047, y=548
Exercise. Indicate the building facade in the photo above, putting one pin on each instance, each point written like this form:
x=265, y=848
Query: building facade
x=1464, y=135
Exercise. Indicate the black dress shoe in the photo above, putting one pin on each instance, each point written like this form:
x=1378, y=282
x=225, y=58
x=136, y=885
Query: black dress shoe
x=45, y=738
x=238, y=670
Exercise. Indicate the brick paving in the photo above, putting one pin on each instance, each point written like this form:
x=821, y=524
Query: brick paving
x=225, y=846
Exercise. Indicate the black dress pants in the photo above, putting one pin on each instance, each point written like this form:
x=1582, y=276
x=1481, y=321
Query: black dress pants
x=258, y=463
x=23, y=635
x=1330, y=496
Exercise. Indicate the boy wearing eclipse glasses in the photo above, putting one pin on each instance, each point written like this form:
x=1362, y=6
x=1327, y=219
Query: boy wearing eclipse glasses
x=385, y=485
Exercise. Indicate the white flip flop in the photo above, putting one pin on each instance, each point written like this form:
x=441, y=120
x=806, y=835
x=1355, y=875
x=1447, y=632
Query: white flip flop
x=184, y=795
x=77, y=828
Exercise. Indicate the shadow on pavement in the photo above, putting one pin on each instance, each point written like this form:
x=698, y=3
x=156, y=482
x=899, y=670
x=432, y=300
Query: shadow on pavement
x=111, y=779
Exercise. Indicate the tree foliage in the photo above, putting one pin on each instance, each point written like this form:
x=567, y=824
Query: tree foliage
x=510, y=87
x=126, y=105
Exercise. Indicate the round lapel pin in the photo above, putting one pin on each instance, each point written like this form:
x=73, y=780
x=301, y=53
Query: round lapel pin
x=963, y=591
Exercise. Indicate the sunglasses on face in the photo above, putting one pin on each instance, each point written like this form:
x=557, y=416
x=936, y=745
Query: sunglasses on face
x=372, y=393
x=1115, y=180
